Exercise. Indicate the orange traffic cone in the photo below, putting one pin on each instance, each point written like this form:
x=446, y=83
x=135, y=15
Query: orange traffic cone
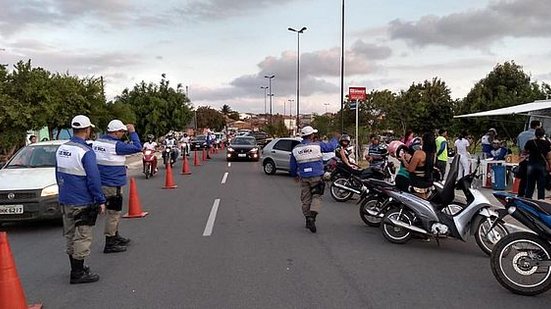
x=196, y=159
x=169, y=181
x=204, y=155
x=11, y=292
x=516, y=183
x=185, y=167
x=134, y=205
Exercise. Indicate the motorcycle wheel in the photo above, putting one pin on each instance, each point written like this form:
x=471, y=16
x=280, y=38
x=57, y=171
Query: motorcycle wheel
x=147, y=171
x=487, y=240
x=516, y=262
x=373, y=205
x=338, y=194
x=395, y=234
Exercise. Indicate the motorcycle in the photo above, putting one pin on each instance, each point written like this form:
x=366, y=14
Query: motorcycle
x=521, y=261
x=148, y=159
x=415, y=215
x=170, y=153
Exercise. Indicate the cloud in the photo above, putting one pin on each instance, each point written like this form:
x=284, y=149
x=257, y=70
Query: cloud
x=224, y=9
x=477, y=28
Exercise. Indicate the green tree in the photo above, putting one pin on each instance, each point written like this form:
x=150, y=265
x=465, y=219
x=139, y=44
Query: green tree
x=226, y=110
x=208, y=117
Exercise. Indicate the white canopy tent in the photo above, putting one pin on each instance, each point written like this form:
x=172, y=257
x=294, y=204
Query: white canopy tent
x=527, y=109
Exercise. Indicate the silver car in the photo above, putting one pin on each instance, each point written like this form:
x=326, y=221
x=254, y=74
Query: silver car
x=276, y=155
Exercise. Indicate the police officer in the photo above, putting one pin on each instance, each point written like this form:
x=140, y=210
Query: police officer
x=111, y=154
x=307, y=163
x=80, y=197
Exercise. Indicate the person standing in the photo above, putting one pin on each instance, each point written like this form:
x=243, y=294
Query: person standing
x=375, y=152
x=209, y=142
x=539, y=160
x=486, y=142
x=307, y=163
x=442, y=152
x=522, y=138
x=111, y=154
x=80, y=197
x=461, y=148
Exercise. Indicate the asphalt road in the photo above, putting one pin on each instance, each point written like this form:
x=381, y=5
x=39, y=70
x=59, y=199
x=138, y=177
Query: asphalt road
x=257, y=255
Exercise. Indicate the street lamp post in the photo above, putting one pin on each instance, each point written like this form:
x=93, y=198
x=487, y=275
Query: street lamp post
x=270, y=77
x=291, y=101
x=298, y=69
x=265, y=95
x=342, y=69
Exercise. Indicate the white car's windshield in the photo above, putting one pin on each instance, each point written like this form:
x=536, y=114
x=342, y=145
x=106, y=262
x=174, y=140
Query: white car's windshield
x=34, y=156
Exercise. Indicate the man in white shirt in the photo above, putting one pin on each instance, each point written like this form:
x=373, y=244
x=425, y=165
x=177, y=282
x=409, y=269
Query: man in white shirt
x=150, y=145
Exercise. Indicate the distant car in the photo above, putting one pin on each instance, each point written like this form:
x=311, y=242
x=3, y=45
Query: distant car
x=220, y=139
x=277, y=154
x=262, y=138
x=28, y=187
x=199, y=142
x=243, y=147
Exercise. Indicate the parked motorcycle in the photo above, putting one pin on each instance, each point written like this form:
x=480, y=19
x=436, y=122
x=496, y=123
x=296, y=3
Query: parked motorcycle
x=148, y=159
x=521, y=262
x=170, y=153
x=415, y=215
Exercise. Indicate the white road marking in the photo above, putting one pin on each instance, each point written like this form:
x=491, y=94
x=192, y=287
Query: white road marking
x=229, y=164
x=225, y=177
x=212, y=217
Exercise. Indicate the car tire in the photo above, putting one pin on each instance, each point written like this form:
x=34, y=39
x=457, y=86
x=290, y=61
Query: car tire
x=269, y=167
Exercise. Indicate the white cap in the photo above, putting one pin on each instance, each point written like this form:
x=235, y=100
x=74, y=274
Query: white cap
x=307, y=130
x=116, y=125
x=81, y=122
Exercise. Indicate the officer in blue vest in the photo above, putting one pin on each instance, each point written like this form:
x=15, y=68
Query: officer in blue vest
x=80, y=197
x=307, y=164
x=111, y=154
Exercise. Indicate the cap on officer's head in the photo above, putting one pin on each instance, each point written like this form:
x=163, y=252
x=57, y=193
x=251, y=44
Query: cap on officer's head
x=81, y=122
x=116, y=125
x=307, y=130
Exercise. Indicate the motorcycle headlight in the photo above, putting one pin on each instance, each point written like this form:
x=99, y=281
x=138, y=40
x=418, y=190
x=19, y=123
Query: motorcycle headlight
x=230, y=149
x=50, y=190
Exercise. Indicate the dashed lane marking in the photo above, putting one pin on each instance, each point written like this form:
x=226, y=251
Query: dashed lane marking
x=225, y=177
x=212, y=218
x=229, y=164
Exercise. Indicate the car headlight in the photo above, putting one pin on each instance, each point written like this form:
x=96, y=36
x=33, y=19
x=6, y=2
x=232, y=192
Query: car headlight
x=50, y=190
x=254, y=150
x=230, y=149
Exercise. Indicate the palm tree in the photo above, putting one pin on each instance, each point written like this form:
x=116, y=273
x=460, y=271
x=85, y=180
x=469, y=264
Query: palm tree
x=226, y=109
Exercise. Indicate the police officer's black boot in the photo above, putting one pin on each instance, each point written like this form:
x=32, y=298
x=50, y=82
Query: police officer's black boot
x=311, y=222
x=111, y=245
x=121, y=241
x=81, y=273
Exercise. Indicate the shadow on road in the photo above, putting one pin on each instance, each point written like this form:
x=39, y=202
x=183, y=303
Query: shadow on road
x=31, y=227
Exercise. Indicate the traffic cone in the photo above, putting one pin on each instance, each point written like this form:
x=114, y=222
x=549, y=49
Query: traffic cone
x=196, y=159
x=185, y=167
x=169, y=181
x=134, y=205
x=516, y=183
x=204, y=155
x=11, y=292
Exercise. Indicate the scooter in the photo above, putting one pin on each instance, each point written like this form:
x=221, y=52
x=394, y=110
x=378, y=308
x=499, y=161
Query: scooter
x=415, y=215
x=346, y=182
x=521, y=262
x=148, y=160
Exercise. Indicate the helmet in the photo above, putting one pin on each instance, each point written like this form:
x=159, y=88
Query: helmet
x=185, y=134
x=150, y=137
x=416, y=144
x=344, y=138
x=393, y=147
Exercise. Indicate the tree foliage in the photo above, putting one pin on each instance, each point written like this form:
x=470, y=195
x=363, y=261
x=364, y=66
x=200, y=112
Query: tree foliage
x=208, y=117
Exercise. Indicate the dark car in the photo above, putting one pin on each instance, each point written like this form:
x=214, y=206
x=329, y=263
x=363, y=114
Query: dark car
x=262, y=138
x=199, y=142
x=243, y=147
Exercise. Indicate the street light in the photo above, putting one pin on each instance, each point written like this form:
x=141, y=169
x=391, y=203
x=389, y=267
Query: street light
x=298, y=69
x=291, y=101
x=342, y=69
x=265, y=95
x=270, y=77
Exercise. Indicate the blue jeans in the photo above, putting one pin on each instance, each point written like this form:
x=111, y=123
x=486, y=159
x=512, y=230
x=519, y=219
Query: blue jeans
x=536, y=175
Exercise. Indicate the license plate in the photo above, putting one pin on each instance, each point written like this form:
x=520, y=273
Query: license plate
x=11, y=209
x=242, y=155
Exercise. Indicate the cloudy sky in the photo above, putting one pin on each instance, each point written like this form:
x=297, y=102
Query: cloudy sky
x=222, y=49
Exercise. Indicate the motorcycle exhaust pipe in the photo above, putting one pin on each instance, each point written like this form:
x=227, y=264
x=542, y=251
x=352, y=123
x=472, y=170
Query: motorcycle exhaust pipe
x=338, y=185
x=405, y=226
x=374, y=213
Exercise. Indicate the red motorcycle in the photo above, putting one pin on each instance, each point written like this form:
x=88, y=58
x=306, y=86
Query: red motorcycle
x=149, y=163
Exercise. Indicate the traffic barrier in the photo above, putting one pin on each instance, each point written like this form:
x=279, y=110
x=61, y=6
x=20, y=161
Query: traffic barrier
x=12, y=295
x=196, y=159
x=516, y=184
x=134, y=205
x=185, y=167
x=169, y=180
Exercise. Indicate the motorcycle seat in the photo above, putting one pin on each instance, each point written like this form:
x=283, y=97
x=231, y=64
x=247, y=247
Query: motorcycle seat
x=379, y=182
x=540, y=206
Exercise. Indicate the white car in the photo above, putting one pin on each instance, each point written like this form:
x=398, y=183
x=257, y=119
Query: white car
x=28, y=188
x=276, y=155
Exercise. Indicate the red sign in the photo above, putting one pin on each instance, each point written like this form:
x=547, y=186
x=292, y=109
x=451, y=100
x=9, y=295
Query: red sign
x=357, y=93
